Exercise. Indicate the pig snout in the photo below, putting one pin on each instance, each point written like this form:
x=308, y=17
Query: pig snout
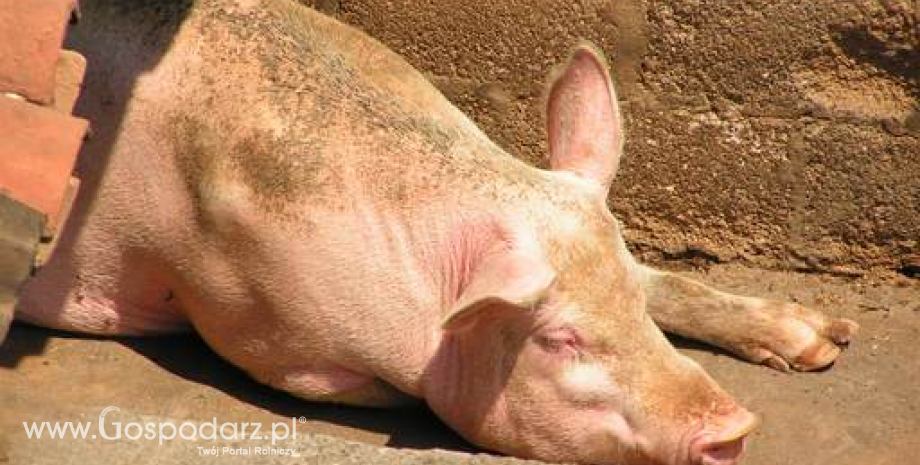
x=722, y=440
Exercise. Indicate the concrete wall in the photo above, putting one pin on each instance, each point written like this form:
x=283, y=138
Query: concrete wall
x=778, y=133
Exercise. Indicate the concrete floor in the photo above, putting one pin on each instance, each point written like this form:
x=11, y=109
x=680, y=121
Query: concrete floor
x=865, y=410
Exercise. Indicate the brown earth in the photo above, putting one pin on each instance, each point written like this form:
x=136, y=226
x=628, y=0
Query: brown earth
x=862, y=411
x=779, y=134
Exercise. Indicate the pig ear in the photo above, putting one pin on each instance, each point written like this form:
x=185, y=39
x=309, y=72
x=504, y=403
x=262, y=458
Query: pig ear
x=509, y=280
x=583, y=118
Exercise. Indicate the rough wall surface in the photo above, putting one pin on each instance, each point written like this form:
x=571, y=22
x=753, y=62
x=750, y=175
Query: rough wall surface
x=778, y=133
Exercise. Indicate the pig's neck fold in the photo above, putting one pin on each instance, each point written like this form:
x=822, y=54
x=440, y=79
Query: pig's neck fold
x=454, y=238
x=467, y=242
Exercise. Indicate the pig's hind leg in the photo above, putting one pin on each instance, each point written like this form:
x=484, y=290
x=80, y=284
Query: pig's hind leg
x=781, y=335
x=109, y=297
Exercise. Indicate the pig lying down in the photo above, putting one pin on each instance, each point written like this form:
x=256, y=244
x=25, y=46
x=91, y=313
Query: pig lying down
x=328, y=222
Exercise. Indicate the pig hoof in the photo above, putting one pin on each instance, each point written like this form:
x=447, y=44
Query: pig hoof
x=808, y=341
x=817, y=356
x=842, y=330
x=774, y=361
x=822, y=353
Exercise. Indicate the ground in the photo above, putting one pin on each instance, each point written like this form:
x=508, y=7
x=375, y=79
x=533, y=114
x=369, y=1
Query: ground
x=862, y=411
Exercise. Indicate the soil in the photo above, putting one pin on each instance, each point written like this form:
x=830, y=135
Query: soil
x=863, y=410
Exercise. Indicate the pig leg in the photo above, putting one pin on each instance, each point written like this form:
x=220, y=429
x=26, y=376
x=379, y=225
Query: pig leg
x=781, y=335
x=111, y=297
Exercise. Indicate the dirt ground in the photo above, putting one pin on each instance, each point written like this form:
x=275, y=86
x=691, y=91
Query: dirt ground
x=865, y=410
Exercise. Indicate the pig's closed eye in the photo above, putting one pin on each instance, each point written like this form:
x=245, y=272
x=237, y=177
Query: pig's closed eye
x=563, y=342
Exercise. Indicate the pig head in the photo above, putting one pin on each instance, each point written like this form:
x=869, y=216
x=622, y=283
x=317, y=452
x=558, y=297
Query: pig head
x=548, y=351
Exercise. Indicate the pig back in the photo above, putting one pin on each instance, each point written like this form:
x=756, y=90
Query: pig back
x=297, y=106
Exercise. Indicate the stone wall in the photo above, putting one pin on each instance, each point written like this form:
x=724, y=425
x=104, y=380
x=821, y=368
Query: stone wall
x=778, y=133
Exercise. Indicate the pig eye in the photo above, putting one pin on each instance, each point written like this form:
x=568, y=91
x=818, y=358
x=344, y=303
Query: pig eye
x=561, y=341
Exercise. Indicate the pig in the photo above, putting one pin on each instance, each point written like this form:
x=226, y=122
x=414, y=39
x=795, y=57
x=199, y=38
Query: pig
x=327, y=221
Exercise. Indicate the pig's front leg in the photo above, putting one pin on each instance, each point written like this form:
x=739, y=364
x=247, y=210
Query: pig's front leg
x=781, y=335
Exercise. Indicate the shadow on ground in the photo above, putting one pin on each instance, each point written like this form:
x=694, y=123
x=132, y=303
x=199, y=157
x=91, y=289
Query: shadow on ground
x=189, y=358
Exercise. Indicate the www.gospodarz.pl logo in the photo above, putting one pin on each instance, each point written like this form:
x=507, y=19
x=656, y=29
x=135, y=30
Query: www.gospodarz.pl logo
x=168, y=430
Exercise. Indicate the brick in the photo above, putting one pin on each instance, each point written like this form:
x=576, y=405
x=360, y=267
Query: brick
x=31, y=34
x=71, y=67
x=20, y=233
x=37, y=154
x=47, y=247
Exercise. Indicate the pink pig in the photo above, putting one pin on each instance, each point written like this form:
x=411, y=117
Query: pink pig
x=331, y=224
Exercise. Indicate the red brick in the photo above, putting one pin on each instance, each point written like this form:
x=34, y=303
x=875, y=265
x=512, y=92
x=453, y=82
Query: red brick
x=71, y=67
x=37, y=154
x=31, y=34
